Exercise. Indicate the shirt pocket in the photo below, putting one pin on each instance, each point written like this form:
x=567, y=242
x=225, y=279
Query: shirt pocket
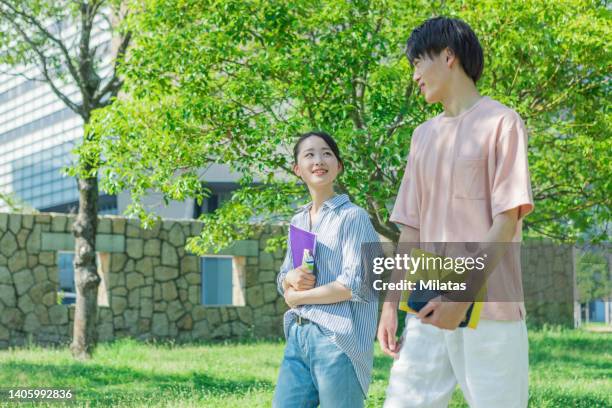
x=469, y=179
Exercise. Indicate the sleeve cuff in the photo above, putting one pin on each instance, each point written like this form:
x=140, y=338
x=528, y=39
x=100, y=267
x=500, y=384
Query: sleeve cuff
x=355, y=288
x=279, y=283
x=405, y=221
x=524, y=205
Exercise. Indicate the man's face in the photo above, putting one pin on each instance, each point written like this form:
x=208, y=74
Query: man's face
x=432, y=75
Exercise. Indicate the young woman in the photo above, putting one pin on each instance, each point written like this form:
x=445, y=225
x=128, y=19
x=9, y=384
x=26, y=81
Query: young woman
x=331, y=325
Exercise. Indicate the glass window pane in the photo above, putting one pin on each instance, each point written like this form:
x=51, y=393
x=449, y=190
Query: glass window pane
x=216, y=281
x=66, y=276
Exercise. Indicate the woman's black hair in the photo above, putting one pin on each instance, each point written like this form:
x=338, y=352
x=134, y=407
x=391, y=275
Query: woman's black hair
x=325, y=136
x=438, y=33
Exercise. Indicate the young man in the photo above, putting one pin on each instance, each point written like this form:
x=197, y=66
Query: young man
x=466, y=180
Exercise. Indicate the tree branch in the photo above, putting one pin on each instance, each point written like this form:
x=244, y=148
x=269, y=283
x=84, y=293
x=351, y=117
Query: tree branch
x=357, y=93
x=62, y=47
x=94, y=7
x=114, y=84
x=21, y=75
x=44, y=63
x=90, y=79
x=385, y=228
x=399, y=119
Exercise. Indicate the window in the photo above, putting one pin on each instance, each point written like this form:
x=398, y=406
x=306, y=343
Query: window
x=67, y=286
x=219, y=194
x=222, y=280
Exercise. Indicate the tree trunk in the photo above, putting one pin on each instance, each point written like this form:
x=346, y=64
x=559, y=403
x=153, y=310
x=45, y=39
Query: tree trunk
x=85, y=269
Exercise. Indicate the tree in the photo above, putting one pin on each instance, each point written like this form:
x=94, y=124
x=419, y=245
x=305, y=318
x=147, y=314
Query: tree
x=36, y=33
x=235, y=81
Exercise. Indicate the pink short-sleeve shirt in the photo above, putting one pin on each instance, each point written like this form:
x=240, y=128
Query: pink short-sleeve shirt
x=463, y=171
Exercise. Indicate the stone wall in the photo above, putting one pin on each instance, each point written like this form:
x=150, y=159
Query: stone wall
x=549, y=283
x=151, y=287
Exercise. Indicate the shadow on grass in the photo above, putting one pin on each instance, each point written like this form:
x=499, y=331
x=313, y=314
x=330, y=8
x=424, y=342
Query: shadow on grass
x=557, y=358
x=109, y=385
x=577, y=351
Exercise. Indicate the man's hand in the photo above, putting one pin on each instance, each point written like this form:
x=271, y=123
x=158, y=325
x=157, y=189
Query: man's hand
x=300, y=278
x=443, y=314
x=387, y=329
x=292, y=298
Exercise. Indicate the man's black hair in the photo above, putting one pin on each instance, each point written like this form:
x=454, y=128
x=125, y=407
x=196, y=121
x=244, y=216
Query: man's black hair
x=435, y=34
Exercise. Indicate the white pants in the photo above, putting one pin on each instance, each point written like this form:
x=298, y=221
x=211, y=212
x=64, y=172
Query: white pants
x=490, y=364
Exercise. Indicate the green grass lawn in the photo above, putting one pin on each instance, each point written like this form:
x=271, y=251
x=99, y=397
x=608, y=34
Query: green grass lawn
x=569, y=368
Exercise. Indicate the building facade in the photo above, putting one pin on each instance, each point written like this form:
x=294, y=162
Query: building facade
x=38, y=132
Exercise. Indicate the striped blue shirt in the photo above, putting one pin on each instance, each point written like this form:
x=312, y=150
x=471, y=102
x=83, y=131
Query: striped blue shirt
x=341, y=228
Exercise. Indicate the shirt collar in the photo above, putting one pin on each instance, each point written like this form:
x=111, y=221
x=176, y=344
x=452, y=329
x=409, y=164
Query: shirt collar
x=333, y=202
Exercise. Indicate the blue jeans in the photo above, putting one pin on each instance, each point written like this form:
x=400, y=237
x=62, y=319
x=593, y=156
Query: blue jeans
x=315, y=371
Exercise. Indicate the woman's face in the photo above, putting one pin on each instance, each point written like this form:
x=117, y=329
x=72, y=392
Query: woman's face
x=316, y=163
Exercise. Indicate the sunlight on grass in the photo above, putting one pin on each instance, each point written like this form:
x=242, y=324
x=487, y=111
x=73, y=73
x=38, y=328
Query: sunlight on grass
x=568, y=368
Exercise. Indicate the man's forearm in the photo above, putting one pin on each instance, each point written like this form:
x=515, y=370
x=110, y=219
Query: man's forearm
x=501, y=233
x=493, y=247
x=503, y=228
x=408, y=235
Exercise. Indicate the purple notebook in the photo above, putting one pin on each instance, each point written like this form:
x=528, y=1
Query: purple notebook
x=300, y=240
